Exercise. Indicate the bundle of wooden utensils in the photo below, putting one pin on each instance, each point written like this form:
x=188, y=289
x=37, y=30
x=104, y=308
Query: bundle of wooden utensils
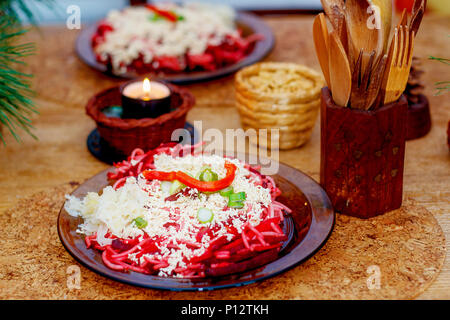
x=365, y=64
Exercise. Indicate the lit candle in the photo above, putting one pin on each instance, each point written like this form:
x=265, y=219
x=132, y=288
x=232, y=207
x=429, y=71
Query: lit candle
x=145, y=99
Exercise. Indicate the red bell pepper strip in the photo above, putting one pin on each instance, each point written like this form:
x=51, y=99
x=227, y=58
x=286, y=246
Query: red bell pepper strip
x=163, y=13
x=204, y=186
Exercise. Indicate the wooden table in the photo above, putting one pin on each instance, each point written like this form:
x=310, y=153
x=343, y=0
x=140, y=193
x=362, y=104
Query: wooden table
x=64, y=84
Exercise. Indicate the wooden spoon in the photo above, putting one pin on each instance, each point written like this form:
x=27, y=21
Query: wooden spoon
x=334, y=9
x=340, y=74
x=320, y=34
x=362, y=36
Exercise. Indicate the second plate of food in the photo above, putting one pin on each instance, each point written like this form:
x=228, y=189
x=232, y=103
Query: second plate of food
x=172, y=42
x=263, y=226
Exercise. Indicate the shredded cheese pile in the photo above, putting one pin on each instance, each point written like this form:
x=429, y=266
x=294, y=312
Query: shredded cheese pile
x=136, y=34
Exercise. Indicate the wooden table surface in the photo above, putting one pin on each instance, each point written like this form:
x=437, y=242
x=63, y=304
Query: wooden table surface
x=64, y=84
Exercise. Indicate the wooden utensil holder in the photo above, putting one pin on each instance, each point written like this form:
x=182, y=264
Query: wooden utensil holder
x=362, y=156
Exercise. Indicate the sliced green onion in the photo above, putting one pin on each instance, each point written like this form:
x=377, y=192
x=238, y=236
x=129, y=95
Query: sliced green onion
x=235, y=204
x=155, y=17
x=176, y=187
x=226, y=192
x=140, y=222
x=204, y=215
x=197, y=176
x=240, y=196
x=207, y=175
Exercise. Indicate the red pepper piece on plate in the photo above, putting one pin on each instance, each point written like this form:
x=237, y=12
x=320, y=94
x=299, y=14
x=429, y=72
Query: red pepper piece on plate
x=204, y=186
x=163, y=13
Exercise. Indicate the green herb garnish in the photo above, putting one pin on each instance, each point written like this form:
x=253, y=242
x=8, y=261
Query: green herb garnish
x=226, y=192
x=235, y=204
x=208, y=175
x=140, y=222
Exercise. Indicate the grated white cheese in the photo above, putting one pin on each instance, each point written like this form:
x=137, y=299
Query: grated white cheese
x=136, y=34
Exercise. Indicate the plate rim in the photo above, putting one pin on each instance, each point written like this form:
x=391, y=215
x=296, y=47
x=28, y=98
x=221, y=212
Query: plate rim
x=249, y=19
x=122, y=277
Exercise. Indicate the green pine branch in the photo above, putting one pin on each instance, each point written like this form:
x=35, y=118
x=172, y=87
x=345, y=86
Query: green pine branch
x=16, y=104
x=16, y=95
x=13, y=9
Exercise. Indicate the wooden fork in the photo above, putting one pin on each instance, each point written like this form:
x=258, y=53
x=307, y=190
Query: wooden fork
x=360, y=80
x=399, y=64
x=366, y=84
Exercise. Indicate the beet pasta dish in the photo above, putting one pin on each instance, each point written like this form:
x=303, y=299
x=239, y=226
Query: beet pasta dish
x=175, y=212
x=170, y=38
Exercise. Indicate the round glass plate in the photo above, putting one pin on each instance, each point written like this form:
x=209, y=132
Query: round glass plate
x=248, y=23
x=308, y=227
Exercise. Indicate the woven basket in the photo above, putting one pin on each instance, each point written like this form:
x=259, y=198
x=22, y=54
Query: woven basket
x=125, y=135
x=264, y=102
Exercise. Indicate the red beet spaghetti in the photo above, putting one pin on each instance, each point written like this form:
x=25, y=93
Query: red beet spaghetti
x=173, y=211
x=170, y=38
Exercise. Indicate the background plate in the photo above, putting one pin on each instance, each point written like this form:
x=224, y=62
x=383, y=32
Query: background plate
x=308, y=228
x=249, y=24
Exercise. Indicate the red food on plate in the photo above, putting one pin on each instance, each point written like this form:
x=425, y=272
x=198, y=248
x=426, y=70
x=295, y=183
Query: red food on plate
x=171, y=38
x=175, y=211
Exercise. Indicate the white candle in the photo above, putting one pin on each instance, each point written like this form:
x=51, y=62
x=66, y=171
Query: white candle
x=146, y=90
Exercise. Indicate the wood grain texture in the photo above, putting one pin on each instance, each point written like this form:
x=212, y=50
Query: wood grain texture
x=362, y=157
x=64, y=85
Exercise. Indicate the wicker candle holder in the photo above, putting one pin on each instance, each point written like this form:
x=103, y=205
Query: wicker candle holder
x=362, y=156
x=125, y=135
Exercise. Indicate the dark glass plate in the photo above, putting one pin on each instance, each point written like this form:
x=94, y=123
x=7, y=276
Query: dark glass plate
x=249, y=23
x=308, y=227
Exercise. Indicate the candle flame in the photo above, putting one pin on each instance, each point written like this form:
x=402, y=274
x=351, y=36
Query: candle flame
x=146, y=87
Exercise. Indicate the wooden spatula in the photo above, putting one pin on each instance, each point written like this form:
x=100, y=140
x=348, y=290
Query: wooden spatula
x=340, y=74
x=320, y=34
